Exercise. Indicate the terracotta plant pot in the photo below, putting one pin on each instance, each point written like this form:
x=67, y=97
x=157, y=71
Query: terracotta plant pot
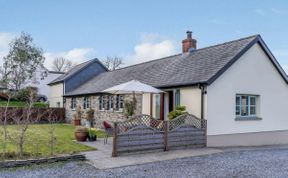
x=77, y=122
x=81, y=136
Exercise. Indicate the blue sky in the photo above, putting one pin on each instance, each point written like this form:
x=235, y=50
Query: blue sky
x=140, y=30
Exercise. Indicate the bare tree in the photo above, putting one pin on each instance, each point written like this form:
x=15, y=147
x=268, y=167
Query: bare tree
x=112, y=63
x=23, y=118
x=52, y=118
x=62, y=64
x=4, y=117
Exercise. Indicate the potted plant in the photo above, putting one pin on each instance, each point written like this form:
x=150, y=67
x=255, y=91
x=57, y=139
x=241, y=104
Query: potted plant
x=129, y=108
x=77, y=116
x=92, y=136
x=89, y=117
x=81, y=134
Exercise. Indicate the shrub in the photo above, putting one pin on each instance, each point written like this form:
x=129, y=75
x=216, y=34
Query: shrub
x=90, y=115
x=92, y=132
x=78, y=113
x=129, y=108
x=179, y=110
x=24, y=94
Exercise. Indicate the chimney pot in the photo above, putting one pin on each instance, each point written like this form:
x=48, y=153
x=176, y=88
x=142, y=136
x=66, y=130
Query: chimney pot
x=189, y=43
x=189, y=34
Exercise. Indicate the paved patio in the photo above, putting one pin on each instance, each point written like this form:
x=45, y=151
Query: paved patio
x=102, y=159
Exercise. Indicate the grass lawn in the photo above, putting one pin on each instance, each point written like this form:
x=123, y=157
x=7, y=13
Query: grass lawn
x=22, y=104
x=37, y=138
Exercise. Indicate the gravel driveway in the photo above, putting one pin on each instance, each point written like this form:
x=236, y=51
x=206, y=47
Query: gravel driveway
x=264, y=163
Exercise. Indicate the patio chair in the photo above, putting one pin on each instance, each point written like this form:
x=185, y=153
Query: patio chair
x=108, y=131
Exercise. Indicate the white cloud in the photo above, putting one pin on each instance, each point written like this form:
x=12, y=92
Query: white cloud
x=151, y=46
x=76, y=55
x=5, y=39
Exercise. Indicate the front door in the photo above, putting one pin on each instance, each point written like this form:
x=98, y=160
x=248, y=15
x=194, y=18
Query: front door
x=171, y=100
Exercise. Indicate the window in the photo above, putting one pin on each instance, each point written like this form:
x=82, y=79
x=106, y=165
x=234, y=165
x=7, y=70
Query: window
x=177, y=98
x=101, y=102
x=109, y=104
x=156, y=106
x=119, y=102
x=73, y=103
x=86, y=102
x=245, y=105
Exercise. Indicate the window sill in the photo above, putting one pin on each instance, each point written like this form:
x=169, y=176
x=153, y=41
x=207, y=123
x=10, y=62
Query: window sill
x=111, y=111
x=249, y=118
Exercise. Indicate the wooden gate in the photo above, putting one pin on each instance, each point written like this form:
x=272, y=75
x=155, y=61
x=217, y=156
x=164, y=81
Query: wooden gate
x=186, y=131
x=143, y=133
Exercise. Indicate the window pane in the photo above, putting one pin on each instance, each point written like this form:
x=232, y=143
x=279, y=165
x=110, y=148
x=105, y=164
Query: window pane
x=252, y=110
x=238, y=100
x=244, y=110
x=177, y=97
x=156, y=106
x=237, y=110
x=121, y=102
x=244, y=100
x=157, y=100
x=252, y=100
x=111, y=102
x=117, y=102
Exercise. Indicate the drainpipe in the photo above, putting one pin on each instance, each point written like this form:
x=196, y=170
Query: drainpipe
x=203, y=123
x=203, y=92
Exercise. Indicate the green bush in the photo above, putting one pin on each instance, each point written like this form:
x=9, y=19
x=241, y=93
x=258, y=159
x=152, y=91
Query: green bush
x=129, y=108
x=25, y=93
x=40, y=105
x=179, y=110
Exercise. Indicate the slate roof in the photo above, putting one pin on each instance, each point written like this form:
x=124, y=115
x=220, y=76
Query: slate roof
x=73, y=71
x=202, y=66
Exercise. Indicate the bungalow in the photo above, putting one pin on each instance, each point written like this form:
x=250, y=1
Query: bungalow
x=238, y=86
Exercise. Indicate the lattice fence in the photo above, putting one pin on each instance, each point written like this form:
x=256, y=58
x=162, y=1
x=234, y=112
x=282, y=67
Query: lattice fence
x=144, y=120
x=144, y=133
x=187, y=119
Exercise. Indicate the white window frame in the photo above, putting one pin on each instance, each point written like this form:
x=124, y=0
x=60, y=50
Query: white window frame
x=119, y=102
x=86, y=102
x=110, y=103
x=73, y=103
x=240, y=105
x=101, y=102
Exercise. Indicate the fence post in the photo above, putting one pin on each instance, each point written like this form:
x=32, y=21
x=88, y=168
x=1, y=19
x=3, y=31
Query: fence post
x=63, y=115
x=165, y=123
x=114, y=151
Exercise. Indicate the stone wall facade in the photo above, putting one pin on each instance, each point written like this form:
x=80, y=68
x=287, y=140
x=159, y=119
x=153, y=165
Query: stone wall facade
x=102, y=115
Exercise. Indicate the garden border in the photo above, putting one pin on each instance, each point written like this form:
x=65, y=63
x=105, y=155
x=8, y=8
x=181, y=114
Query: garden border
x=30, y=162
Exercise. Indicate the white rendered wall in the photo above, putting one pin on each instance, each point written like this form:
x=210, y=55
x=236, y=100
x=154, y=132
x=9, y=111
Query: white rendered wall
x=56, y=95
x=191, y=98
x=252, y=74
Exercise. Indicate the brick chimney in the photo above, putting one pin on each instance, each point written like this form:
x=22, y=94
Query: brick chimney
x=189, y=43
